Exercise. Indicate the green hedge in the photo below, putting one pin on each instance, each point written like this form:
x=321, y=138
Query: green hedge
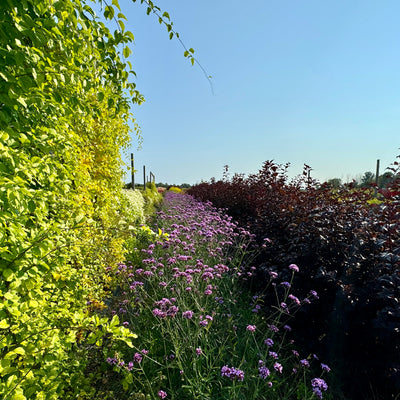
x=62, y=212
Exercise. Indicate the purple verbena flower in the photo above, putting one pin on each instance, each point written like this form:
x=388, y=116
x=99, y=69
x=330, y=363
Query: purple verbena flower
x=187, y=314
x=273, y=354
x=304, y=363
x=294, y=299
x=319, y=385
x=232, y=373
x=325, y=367
x=278, y=367
x=269, y=342
x=273, y=328
x=287, y=328
x=263, y=372
x=294, y=267
x=112, y=361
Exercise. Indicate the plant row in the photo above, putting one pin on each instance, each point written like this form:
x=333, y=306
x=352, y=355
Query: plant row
x=200, y=332
x=347, y=245
x=63, y=215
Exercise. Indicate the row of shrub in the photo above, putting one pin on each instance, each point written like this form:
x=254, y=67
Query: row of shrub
x=347, y=244
x=63, y=215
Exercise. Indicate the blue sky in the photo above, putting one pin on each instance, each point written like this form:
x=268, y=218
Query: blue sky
x=315, y=82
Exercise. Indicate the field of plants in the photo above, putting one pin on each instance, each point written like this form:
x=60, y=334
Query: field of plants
x=249, y=288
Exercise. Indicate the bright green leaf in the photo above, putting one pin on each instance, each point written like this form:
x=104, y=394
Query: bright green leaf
x=109, y=12
x=4, y=324
x=127, y=52
x=115, y=3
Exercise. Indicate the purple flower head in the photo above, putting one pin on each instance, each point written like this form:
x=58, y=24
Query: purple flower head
x=278, y=367
x=284, y=307
x=304, y=363
x=314, y=294
x=294, y=267
x=199, y=351
x=325, y=367
x=294, y=299
x=273, y=328
x=273, y=354
x=319, y=385
x=273, y=274
x=187, y=314
x=162, y=394
x=112, y=361
x=287, y=328
x=269, y=342
x=232, y=373
x=251, y=328
x=158, y=313
x=137, y=357
x=263, y=372
x=286, y=284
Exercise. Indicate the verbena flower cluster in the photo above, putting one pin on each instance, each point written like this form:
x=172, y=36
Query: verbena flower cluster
x=232, y=373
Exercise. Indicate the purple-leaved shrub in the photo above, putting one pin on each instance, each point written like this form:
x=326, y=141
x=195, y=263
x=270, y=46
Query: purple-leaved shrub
x=347, y=243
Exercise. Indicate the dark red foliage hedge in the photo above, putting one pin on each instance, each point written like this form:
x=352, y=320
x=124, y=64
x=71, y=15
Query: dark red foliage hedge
x=347, y=245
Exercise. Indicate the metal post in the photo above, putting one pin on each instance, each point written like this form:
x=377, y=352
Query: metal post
x=133, y=172
x=144, y=177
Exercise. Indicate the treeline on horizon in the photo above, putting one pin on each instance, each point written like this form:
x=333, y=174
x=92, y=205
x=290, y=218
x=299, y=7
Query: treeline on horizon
x=367, y=179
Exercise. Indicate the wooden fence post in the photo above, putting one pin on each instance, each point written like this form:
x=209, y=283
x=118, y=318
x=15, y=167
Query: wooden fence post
x=133, y=172
x=377, y=178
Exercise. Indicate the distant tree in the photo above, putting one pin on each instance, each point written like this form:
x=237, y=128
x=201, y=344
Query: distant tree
x=335, y=183
x=367, y=179
x=385, y=179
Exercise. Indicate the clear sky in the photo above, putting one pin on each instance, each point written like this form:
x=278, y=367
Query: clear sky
x=315, y=82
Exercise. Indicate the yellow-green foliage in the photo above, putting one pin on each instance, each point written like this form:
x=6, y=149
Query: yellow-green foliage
x=63, y=121
x=175, y=189
x=135, y=205
x=152, y=198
